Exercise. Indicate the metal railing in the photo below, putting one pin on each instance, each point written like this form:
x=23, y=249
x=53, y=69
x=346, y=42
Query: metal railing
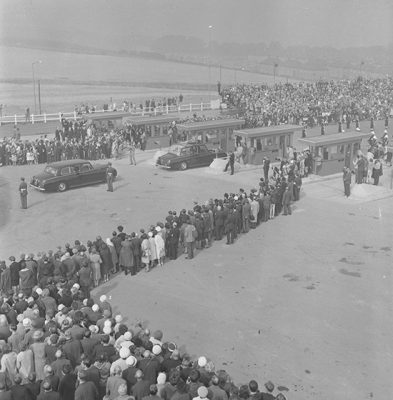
x=75, y=115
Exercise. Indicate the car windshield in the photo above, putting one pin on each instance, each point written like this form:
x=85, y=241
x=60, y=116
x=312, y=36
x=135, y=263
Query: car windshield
x=176, y=149
x=50, y=170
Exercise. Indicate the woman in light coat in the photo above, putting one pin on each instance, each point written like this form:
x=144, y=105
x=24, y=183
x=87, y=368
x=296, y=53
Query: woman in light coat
x=160, y=246
x=95, y=263
x=145, y=247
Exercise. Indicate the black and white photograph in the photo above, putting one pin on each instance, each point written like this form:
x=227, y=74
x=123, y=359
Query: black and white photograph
x=196, y=199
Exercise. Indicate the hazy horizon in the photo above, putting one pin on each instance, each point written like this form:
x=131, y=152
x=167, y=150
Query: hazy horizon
x=336, y=23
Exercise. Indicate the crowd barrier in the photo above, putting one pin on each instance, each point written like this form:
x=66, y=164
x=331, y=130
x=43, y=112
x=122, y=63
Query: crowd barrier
x=44, y=118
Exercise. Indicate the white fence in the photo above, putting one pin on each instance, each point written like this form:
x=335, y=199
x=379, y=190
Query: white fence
x=44, y=118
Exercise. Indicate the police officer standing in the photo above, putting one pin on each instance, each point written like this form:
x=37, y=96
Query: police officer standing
x=231, y=163
x=23, y=193
x=110, y=175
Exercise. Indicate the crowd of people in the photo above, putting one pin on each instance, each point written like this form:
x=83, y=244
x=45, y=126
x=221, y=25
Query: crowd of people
x=129, y=106
x=312, y=104
x=84, y=139
x=56, y=339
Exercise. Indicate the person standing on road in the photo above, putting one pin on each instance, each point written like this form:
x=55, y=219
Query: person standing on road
x=347, y=178
x=110, y=175
x=190, y=234
x=231, y=163
x=132, y=153
x=286, y=201
x=23, y=193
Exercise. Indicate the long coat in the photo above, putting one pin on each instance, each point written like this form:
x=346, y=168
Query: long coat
x=106, y=257
x=145, y=246
x=153, y=250
x=126, y=257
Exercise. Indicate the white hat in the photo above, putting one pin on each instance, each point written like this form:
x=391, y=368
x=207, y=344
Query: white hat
x=202, y=361
x=26, y=322
x=108, y=322
x=60, y=307
x=93, y=328
x=76, y=286
x=102, y=298
x=39, y=291
x=158, y=228
x=95, y=308
x=127, y=335
x=124, y=353
x=156, y=349
x=118, y=318
x=131, y=361
x=150, y=234
x=107, y=330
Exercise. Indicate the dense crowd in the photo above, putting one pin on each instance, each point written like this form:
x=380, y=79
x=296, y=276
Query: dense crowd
x=129, y=106
x=56, y=339
x=316, y=103
x=83, y=139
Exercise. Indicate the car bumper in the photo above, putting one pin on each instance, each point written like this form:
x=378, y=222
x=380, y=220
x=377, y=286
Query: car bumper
x=163, y=166
x=37, y=187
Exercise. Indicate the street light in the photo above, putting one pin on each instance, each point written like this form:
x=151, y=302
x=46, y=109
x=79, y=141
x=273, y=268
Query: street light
x=210, y=56
x=274, y=72
x=32, y=68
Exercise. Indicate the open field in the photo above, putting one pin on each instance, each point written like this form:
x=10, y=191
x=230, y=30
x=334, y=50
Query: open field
x=71, y=78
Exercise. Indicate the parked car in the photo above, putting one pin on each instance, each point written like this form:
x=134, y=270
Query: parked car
x=62, y=175
x=188, y=155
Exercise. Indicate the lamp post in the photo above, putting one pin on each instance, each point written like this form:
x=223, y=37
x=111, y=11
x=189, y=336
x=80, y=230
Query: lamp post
x=210, y=56
x=274, y=72
x=35, y=100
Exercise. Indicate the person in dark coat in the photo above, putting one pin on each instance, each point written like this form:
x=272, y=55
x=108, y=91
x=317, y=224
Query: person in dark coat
x=106, y=257
x=23, y=193
x=47, y=392
x=230, y=226
x=230, y=163
x=173, y=241
x=14, y=271
x=67, y=385
x=19, y=391
x=141, y=388
x=86, y=390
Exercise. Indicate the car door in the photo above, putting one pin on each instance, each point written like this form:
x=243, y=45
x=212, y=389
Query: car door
x=204, y=156
x=68, y=175
x=88, y=174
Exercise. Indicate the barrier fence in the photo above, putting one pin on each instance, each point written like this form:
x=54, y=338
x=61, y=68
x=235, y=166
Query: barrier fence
x=75, y=115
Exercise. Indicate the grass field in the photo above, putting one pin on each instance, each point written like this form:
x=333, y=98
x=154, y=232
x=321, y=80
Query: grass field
x=71, y=78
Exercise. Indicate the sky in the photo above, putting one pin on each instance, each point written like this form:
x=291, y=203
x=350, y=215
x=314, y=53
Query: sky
x=336, y=23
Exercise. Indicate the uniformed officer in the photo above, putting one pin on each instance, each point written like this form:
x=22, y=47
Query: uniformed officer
x=23, y=193
x=110, y=175
x=230, y=163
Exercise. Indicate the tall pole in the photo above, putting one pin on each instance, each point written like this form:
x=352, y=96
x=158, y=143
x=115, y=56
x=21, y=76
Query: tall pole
x=39, y=96
x=210, y=57
x=35, y=101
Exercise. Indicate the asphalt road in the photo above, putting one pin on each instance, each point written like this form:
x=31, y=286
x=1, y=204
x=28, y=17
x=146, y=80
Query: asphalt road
x=303, y=300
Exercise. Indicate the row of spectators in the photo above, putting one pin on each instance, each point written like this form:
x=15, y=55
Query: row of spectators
x=312, y=103
x=128, y=105
x=82, y=139
x=56, y=342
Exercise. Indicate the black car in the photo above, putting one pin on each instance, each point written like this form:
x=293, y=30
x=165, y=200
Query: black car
x=188, y=155
x=62, y=175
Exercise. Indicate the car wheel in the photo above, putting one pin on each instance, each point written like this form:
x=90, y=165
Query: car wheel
x=183, y=166
x=62, y=187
